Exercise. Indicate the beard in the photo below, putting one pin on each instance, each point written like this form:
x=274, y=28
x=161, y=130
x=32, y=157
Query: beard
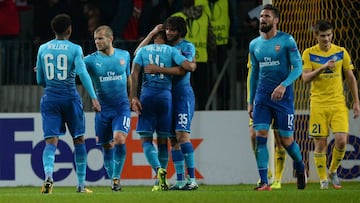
x=102, y=48
x=173, y=39
x=266, y=28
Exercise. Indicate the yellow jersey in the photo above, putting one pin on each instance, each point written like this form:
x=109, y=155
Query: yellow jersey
x=327, y=89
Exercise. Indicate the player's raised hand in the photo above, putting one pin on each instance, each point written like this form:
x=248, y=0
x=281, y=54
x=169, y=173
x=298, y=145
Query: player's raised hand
x=157, y=29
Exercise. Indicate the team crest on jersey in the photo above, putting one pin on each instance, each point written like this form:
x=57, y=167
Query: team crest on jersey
x=122, y=61
x=277, y=48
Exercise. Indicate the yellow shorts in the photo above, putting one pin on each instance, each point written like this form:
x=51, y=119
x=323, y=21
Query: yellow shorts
x=322, y=119
x=251, y=122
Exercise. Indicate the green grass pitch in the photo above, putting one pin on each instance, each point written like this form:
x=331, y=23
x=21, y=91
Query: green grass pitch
x=350, y=193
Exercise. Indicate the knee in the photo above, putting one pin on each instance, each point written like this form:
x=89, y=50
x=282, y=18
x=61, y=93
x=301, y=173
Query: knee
x=119, y=138
x=286, y=141
x=341, y=142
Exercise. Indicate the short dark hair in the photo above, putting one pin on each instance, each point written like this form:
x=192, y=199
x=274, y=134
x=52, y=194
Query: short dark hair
x=272, y=8
x=162, y=34
x=60, y=23
x=176, y=23
x=321, y=25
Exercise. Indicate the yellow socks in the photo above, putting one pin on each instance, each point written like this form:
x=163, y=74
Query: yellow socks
x=280, y=155
x=337, y=157
x=320, y=163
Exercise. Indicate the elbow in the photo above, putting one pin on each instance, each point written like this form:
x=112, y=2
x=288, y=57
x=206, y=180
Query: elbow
x=193, y=67
x=305, y=80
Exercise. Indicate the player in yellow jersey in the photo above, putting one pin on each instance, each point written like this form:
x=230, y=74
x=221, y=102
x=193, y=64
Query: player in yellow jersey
x=280, y=152
x=325, y=64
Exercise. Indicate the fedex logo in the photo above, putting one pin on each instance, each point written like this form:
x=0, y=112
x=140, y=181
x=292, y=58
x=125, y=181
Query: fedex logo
x=10, y=147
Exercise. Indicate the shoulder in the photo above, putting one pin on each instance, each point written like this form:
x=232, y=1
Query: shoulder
x=184, y=41
x=186, y=46
x=312, y=49
x=337, y=48
x=74, y=46
x=122, y=52
x=171, y=48
x=90, y=56
x=254, y=41
x=188, y=43
x=45, y=44
x=285, y=36
x=42, y=46
x=141, y=49
x=340, y=52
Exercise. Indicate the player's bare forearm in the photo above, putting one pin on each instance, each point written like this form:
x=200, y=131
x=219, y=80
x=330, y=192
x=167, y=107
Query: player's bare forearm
x=152, y=68
x=135, y=104
x=134, y=80
x=189, y=66
x=133, y=87
x=310, y=75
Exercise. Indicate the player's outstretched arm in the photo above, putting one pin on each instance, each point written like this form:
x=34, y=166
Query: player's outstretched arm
x=152, y=68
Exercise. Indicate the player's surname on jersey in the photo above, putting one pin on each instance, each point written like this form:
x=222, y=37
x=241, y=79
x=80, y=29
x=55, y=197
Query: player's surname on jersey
x=58, y=46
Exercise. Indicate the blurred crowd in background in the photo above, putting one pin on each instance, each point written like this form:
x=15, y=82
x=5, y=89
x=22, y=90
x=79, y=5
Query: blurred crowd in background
x=27, y=22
